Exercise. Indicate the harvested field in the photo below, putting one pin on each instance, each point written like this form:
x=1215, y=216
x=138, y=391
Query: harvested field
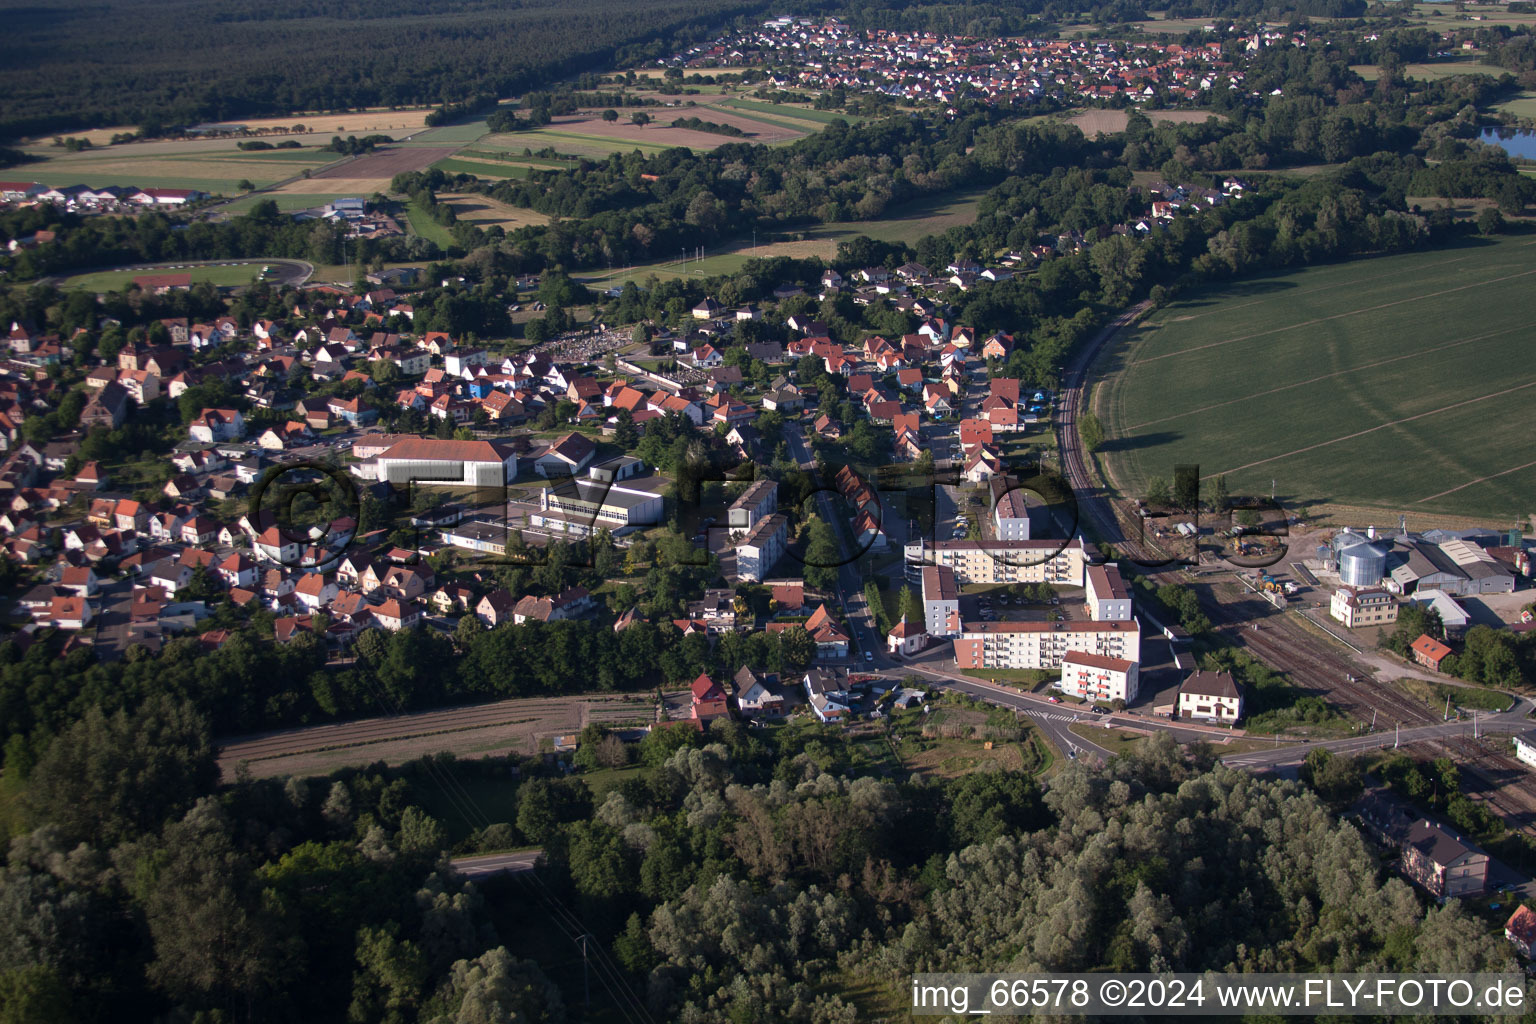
x=485, y=211
x=334, y=186
x=390, y=161
x=1108, y=122
x=367, y=122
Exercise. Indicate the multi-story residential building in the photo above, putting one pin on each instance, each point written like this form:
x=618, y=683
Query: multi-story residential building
x=757, y=501
x=1004, y=561
x=1099, y=678
x=1363, y=606
x=1043, y=644
x=1211, y=697
x=1442, y=862
x=1010, y=509
x=1106, y=594
x=762, y=547
x=941, y=601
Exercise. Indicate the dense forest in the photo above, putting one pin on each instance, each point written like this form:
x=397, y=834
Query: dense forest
x=739, y=879
x=734, y=876
x=64, y=71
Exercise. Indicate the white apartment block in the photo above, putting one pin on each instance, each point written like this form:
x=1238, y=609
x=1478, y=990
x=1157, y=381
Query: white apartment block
x=762, y=547
x=941, y=601
x=1056, y=562
x=1106, y=594
x=1043, y=644
x=1010, y=510
x=1094, y=677
x=759, y=500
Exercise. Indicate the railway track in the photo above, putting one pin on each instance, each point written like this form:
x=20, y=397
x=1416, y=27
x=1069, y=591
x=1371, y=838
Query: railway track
x=1279, y=643
x=1502, y=783
x=396, y=727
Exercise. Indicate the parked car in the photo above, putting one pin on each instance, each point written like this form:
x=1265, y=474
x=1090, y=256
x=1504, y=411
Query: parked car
x=1054, y=700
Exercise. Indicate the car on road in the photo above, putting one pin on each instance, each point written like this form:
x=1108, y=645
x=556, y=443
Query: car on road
x=1098, y=710
x=869, y=655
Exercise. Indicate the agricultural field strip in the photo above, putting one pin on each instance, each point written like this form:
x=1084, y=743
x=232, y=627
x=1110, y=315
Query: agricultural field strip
x=1479, y=480
x=1379, y=426
x=824, y=117
x=1327, y=376
x=777, y=120
x=1465, y=453
x=482, y=170
x=1335, y=316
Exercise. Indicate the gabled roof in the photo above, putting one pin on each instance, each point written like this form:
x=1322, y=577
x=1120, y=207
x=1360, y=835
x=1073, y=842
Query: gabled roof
x=705, y=688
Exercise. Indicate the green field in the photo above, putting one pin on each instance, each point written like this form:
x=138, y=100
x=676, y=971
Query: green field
x=911, y=222
x=1433, y=71
x=1521, y=105
x=575, y=143
x=422, y=224
x=930, y=216
x=793, y=113
x=479, y=169
x=1402, y=383
x=117, y=280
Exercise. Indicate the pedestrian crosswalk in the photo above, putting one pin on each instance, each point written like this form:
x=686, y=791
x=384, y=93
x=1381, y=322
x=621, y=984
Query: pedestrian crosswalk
x=1052, y=716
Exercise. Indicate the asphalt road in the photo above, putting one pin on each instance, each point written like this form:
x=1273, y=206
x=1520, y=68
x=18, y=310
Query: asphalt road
x=496, y=863
x=1504, y=722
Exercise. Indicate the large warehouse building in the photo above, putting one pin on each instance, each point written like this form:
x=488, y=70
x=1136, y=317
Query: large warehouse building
x=580, y=506
x=429, y=460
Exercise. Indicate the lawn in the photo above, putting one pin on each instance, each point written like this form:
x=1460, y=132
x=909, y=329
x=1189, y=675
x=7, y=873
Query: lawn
x=1521, y=105
x=422, y=224
x=1397, y=383
x=484, y=211
x=1116, y=741
x=117, y=280
x=1436, y=695
x=929, y=216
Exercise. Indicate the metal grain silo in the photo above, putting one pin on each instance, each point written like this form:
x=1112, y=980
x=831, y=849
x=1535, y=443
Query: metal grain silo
x=1361, y=563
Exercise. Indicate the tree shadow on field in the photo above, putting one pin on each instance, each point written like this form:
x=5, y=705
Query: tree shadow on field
x=1234, y=290
x=1135, y=441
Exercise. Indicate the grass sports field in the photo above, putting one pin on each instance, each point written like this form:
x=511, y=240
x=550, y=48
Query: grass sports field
x=1400, y=383
x=223, y=275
